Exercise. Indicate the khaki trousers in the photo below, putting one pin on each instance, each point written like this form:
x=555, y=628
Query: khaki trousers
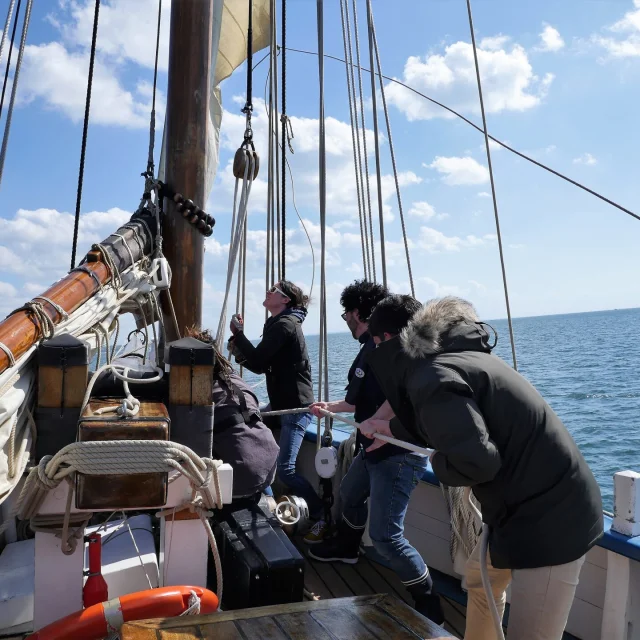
x=540, y=600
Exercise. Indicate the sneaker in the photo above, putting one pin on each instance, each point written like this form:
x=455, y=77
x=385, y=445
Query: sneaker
x=335, y=550
x=317, y=533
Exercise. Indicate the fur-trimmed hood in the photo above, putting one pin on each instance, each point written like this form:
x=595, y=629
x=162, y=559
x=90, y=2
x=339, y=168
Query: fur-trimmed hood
x=445, y=324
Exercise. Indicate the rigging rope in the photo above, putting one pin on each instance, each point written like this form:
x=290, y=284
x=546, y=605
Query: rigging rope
x=493, y=186
x=364, y=140
x=323, y=374
x=7, y=24
x=376, y=141
x=269, y=257
x=368, y=243
x=85, y=130
x=13, y=37
x=283, y=118
x=152, y=124
x=504, y=145
x=237, y=231
x=393, y=155
x=365, y=264
x=295, y=208
x=14, y=88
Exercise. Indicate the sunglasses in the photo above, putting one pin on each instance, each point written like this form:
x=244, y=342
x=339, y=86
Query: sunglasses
x=280, y=291
x=344, y=315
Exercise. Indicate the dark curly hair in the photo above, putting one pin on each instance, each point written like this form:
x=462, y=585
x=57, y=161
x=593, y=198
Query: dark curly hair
x=363, y=296
x=392, y=315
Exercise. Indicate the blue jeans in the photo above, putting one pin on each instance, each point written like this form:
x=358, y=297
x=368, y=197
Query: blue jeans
x=386, y=486
x=292, y=430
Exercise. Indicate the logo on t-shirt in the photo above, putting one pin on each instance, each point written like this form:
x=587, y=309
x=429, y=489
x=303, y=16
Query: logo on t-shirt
x=359, y=373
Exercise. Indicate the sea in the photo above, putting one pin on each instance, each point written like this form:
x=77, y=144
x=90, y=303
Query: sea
x=584, y=364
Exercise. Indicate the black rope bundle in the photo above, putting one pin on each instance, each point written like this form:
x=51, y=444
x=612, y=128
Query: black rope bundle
x=85, y=129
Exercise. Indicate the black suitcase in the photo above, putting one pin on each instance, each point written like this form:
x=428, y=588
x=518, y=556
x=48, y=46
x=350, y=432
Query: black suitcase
x=260, y=565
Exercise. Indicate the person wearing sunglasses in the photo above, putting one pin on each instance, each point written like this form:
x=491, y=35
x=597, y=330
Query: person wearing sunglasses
x=282, y=356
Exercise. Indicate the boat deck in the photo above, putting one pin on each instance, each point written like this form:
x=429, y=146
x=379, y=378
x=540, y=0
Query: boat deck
x=326, y=580
x=381, y=617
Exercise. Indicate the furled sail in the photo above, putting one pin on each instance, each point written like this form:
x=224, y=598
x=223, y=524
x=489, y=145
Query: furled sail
x=229, y=51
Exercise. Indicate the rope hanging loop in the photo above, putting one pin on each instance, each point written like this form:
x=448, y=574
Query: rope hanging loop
x=245, y=154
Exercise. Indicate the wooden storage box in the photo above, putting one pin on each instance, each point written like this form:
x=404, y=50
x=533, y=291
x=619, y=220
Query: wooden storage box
x=135, y=491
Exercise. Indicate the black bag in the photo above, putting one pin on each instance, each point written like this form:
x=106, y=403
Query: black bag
x=260, y=565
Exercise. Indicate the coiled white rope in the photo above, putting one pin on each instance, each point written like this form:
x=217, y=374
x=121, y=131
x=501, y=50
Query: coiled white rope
x=130, y=405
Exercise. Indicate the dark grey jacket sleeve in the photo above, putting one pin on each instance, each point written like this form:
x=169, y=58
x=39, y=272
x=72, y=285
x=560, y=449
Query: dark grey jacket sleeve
x=453, y=425
x=259, y=358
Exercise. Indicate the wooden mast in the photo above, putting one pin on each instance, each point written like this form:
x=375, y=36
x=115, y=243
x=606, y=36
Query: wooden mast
x=186, y=148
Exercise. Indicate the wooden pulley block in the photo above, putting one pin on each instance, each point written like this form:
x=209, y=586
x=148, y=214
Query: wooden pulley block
x=244, y=155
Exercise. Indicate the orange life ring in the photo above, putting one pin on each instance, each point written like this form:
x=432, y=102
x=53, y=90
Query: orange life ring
x=104, y=618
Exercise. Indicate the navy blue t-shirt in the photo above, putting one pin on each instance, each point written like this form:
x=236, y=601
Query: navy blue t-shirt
x=364, y=392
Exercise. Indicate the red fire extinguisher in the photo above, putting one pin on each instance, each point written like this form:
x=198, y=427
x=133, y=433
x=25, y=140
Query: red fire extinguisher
x=95, y=588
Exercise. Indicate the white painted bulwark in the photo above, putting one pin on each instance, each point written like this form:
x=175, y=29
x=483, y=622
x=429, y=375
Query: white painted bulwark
x=184, y=545
x=16, y=587
x=626, y=486
x=184, y=551
x=123, y=570
x=53, y=569
x=615, y=614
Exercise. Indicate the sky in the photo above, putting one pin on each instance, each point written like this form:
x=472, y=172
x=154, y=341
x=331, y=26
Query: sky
x=561, y=83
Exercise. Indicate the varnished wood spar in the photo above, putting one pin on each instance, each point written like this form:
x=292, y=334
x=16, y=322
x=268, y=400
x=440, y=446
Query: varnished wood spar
x=186, y=135
x=20, y=331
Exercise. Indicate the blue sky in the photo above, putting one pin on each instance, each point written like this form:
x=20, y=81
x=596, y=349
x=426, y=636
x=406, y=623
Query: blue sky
x=561, y=83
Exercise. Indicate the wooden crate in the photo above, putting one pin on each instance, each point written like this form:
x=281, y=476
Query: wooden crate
x=136, y=491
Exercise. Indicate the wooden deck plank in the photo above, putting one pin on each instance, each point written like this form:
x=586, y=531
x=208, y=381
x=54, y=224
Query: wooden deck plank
x=375, y=581
x=383, y=626
x=370, y=572
x=455, y=622
x=314, y=583
x=360, y=618
x=411, y=619
x=355, y=581
x=264, y=628
x=223, y=631
x=395, y=582
x=342, y=625
x=328, y=574
x=301, y=626
x=254, y=612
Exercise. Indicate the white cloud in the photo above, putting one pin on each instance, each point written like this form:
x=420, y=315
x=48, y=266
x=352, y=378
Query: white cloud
x=7, y=289
x=30, y=234
x=126, y=30
x=585, y=158
x=509, y=82
x=435, y=241
x=484, y=194
x=429, y=288
x=55, y=73
x=341, y=188
x=550, y=39
x=460, y=171
x=9, y=261
x=422, y=210
x=494, y=43
x=58, y=77
x=626, y=41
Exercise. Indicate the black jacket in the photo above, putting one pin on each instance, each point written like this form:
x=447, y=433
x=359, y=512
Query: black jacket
x=494, y=432
x=282, y=357
x=364, y=392
x=241, y=438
